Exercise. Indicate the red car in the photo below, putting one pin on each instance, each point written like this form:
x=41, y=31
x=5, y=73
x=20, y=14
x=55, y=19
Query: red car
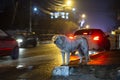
x=8, y=45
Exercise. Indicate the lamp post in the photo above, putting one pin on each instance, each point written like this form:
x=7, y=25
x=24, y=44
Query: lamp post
x=32, y=9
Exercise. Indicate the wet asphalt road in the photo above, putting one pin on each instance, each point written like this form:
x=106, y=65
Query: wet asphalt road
x=33, y=64
x=37, y=63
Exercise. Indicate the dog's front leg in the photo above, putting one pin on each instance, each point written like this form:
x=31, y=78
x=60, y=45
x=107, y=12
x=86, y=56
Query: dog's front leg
x=68, y=58
x=63, y=57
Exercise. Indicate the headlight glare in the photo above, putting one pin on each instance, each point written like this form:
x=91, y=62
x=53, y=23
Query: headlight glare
x=19, y=40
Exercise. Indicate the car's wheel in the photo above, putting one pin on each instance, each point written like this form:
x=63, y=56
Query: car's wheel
x=15, y=53
x=34, y=44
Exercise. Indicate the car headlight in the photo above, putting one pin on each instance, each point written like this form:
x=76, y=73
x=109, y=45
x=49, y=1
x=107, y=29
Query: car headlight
x=19, y=40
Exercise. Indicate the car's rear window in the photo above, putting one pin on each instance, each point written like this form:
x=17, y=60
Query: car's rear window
x=3, y=34
x=89, y=32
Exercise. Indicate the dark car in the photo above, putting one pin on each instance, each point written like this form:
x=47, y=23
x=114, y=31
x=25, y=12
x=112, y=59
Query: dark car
x=8, y=45
x=97, y=39
x=26, y=40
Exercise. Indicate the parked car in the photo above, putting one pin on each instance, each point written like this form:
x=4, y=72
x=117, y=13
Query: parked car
x=97, y=39
x=25, y=40
x=8, y=45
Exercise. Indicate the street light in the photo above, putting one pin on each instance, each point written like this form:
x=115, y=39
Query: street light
x=73, y=9
x=83, y=16
x=32, y=9
x=69, y=3
x=35, y=9
x=87, y=26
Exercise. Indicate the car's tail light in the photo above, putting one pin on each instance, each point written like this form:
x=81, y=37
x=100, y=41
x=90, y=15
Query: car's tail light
x=96, y=38
x=85, y=33
x=71, y=37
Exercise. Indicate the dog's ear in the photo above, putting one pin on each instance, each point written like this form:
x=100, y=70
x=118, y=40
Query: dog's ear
x=54, y=38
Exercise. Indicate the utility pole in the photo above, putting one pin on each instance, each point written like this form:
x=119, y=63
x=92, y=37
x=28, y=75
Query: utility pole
x=15, y=11
x=30, y=17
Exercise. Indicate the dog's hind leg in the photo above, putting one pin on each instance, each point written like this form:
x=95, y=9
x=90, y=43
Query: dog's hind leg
x=80, y=58
x=80, y=55
x=84, y=49
x=86, y=54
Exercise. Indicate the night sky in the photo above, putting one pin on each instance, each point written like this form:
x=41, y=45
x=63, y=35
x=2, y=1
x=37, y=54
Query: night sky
x=100, y=13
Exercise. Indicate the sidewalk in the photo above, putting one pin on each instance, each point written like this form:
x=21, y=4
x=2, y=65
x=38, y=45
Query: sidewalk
x=91, y=71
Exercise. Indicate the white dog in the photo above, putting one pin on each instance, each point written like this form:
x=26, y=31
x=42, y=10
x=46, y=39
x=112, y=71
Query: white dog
x=68, y=46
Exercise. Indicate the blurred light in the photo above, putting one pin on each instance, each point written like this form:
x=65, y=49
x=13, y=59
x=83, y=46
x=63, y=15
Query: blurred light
x=35, y=9
x=73, y=9
x=96, y=38
x=67, y=17
x=119, y=28
x=56, y=14
x=93, y=52
x=51, y=13
x=87, y=26
x=20, y=66
x=69, y=3
x=83, y=16
x=67, y=14
x=19, y=40
x=71, y=37
x=74, y=57
x=59, y=14
x=62, y=13
x=82, y=22
x=63, y=16
x=33, y=32
x=113, y=33
x=85, y=33
x=51, y=17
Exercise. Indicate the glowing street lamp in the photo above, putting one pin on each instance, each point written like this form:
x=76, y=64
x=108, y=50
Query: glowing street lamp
x=35, y=9
x=69, y=3
x=73, y=9
x=83, y=16
x=87, y=26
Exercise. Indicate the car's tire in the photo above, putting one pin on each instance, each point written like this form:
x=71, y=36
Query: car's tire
x=15, y=53
x=34, y=43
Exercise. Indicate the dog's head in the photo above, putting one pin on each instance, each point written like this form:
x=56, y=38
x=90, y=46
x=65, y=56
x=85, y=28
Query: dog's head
x=59, y=40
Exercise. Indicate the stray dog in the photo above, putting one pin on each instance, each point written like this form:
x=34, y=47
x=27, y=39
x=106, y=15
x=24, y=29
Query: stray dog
x=68, y=46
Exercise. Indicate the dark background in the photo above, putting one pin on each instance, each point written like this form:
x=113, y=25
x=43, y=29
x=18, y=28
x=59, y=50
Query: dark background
x=15, y=14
